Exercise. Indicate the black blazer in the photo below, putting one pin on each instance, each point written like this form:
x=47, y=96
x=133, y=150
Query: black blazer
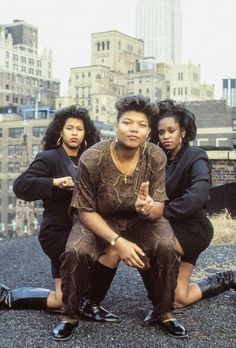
x=36, y=183
x=187, y=183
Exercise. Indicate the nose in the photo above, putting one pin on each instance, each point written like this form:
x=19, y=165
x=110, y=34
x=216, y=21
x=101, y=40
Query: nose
x=166, y=135
x=134, y=128
x=74, y=131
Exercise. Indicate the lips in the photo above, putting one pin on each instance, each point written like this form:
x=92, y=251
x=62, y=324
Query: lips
x=133, y=137
x=167, y=144
x=74, y=140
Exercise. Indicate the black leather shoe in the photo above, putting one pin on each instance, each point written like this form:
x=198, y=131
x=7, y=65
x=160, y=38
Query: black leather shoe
x=5, y=293
x=94, y=311
x=63, y=331
x=151, y=318
x=173, y=328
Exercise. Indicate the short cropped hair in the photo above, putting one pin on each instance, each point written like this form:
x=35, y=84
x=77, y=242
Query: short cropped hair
x=136, y=103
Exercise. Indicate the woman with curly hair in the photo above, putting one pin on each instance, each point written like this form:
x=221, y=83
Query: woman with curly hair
x=50, y=178
x=187, y=187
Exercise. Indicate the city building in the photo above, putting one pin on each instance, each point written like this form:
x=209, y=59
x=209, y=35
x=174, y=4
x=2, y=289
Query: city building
x=159, y=25
x=216, y=124
x=229, y=91
x=119, y=68
x=26, y=77
x=186, y=85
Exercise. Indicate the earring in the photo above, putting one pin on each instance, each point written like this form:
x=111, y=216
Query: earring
x=116, y=142
x=144, y=148
x=85, y=144
x=58, y=143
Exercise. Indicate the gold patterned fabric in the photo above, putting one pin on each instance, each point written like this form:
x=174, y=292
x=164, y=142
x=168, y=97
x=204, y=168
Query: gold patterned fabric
x=100, y=187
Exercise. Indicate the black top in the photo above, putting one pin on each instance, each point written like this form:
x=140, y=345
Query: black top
x=36, y=183
x=187, y=182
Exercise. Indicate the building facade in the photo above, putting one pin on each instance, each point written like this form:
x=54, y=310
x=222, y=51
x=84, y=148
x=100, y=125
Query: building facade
x=159, y=25
x=26, y=77
x=216, y=123
x=186, y=85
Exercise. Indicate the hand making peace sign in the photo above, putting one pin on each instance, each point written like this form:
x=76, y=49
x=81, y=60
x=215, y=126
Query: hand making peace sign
x=144, y=202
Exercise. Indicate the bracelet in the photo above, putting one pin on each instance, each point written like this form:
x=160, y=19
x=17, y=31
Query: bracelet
x=113, y=242
x=143, y=216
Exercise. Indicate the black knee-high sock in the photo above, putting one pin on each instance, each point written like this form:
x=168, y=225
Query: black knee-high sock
x=100, y=280
x=147, y=281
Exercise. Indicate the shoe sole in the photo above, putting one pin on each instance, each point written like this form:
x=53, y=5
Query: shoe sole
x=185, y=336
x=62, y=339
x=99, y=321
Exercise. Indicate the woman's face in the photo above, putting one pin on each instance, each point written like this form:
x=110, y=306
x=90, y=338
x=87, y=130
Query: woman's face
x=170, y=135
x=132, y=129
x=73, y=133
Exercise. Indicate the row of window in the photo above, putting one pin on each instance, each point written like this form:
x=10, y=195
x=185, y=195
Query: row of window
x=18, y=132
x=180, y=76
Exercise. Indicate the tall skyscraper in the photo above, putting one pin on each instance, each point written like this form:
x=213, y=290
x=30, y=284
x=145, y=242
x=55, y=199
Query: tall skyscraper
x=159, y=25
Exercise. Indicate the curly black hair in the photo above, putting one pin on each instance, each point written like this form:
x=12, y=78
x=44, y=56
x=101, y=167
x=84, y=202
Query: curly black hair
x=50, y=140
x=184, y=117
x=137, y=103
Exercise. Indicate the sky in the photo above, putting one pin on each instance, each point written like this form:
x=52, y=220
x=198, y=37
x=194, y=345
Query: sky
x=209, y=31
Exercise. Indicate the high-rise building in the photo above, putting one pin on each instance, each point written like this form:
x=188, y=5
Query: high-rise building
x=26, y=77
x=159, y=25
x=229, y=92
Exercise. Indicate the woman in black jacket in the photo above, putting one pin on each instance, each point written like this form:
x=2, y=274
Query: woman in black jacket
x=187, y=187
x=50, y=178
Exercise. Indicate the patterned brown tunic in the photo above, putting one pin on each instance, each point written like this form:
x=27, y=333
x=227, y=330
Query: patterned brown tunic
x=101, y=188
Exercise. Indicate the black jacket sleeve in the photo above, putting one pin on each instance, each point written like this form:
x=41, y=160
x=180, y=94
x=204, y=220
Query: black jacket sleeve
x=194, y=196
x=37, y=181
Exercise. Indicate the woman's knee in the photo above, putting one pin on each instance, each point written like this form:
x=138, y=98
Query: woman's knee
x=180, y=298
x=110, y=257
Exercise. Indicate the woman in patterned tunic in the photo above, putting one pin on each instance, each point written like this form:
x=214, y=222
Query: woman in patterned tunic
x=119, y=194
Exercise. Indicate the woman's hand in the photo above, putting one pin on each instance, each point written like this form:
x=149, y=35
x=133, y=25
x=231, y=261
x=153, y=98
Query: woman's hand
x=66, y=183
x=144, y=202
x=130, y=253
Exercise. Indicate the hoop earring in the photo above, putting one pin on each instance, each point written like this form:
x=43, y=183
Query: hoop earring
x=116, y=142
x=58, y=143
x=85, y=144
x=144, y=148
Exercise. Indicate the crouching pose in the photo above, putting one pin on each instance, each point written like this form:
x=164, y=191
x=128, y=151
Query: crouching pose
x=50, y=178
x=119, y=194
x=187, y=186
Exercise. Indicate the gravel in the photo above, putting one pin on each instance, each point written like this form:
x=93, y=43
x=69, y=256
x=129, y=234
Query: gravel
x=210, y=323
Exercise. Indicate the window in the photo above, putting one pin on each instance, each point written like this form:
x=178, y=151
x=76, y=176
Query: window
x=180, y=76
x=0, y=132
x=15, y=133
x=10, y=184
x=39, y=131
x=13, y=167
x=14, y=150
x=35, y=149
x=234, y=124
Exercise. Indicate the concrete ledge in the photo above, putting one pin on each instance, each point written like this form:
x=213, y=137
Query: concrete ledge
x=221, y=155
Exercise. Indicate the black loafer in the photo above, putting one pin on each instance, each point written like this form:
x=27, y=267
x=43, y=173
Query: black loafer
x=151, y=318
x=4, y=295
x=174, y=328
x=63, y=331
x=93, y=311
